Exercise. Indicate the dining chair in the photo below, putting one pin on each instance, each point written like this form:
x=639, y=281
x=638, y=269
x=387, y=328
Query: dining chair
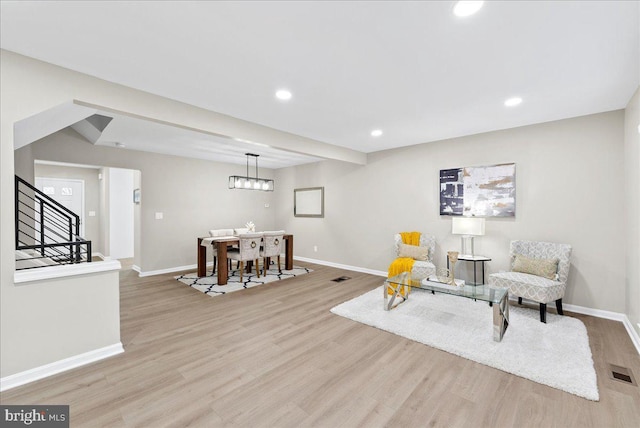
x=248, y=250
x=273, y=246
x=237, y=231
x=218, y=233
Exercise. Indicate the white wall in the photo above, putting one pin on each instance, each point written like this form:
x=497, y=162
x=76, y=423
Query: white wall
x=105, y=235
x=137, y=225
x=569, y=178
x=121, y=230
x=632, y=208
x=41, y=328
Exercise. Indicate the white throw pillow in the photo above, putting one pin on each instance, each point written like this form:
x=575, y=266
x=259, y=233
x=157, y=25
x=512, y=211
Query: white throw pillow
x=545, y=268
x=414, y=251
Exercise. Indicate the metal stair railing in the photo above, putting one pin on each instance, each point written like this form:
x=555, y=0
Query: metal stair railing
x=45, y=230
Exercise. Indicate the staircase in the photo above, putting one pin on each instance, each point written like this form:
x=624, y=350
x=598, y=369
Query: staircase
x=47, y=233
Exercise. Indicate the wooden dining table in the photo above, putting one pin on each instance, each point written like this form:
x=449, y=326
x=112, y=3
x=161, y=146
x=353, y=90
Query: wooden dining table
x=222, y=244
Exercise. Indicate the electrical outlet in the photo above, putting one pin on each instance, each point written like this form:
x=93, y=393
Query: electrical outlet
x=92, y=213
x=159, y=216
x=266, y=205
x=315, y=248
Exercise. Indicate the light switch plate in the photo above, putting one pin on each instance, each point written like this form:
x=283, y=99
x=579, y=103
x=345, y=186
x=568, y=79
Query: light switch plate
x=159, y=216
x=92, y=213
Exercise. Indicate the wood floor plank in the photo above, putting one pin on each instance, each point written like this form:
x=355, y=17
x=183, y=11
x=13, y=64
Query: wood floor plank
x=274, y=356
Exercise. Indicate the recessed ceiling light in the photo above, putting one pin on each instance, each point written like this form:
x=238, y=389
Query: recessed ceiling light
x=466, y=8
x=283, y=94
x=376, y=132
x=512, y=102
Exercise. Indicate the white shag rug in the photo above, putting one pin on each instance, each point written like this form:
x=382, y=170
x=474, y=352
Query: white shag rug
x=556, y=354
x=209, y=284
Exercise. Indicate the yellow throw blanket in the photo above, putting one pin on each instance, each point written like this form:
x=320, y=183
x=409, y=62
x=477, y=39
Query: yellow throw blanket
x=410, y=238
x=404, y=264
x=399, y=265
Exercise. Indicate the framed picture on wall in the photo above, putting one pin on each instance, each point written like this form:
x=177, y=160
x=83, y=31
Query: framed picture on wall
x=479, y=191
x=451, y=191
x=308, y=202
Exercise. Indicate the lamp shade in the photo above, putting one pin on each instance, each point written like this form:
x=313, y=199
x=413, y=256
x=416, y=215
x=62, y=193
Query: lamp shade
x=470, y=226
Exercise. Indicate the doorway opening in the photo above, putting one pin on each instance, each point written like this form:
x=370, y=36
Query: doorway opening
x=103, y=198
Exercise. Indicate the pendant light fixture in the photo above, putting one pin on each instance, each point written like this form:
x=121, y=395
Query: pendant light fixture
x=251, y=183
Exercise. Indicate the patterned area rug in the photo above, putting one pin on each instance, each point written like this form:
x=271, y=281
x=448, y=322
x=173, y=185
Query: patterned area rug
x=209, y=284
x=556, y=354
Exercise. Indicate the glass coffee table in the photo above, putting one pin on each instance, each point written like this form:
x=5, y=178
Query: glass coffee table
x=497, y=297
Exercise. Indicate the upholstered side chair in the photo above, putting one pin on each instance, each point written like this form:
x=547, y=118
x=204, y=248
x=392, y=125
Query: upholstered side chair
x=273, y=244
x=218, y=233
x=421, y=268
x=248, y=250
x=539, y=272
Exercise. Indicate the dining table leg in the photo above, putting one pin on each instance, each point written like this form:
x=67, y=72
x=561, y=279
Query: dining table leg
x=223, y=273
x=202, y=259
x=288, y=249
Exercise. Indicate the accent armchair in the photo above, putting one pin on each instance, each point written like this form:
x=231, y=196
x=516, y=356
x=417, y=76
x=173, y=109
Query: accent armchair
x=539, y=272
x=421, y=268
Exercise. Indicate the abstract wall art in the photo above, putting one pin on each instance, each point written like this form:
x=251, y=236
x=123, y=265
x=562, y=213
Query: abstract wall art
x=480, y=191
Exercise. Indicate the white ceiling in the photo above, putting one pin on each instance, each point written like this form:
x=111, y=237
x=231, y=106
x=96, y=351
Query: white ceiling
x=148, y=136
x=412, y=69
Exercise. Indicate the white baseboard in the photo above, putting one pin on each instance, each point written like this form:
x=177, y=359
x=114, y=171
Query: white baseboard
x=633, y=334
x=303, y=259
x=56, y=367
x=102, y=256
x=598, y=313
x=341, y=266
x=168, y=270
x=615, y=316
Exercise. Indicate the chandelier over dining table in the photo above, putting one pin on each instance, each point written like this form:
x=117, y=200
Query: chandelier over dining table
x=251, y=183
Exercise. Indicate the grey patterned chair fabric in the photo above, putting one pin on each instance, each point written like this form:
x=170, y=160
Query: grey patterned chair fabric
x=248, y=250
x=532, y=287
x=273, y=245
x=216, y=233
x=421, y=269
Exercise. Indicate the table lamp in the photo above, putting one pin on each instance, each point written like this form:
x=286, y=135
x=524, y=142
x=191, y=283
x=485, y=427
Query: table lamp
x=468, y=227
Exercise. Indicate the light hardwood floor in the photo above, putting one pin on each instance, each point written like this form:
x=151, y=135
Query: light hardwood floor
x=274, y=356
